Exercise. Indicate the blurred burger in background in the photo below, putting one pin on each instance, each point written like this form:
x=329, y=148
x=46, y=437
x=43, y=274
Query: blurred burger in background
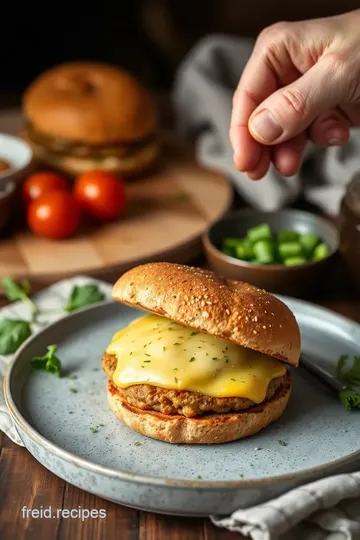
x=89, y=116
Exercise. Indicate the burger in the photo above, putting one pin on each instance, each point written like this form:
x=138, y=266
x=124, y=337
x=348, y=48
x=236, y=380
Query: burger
x=207, y=364
x=86, y=116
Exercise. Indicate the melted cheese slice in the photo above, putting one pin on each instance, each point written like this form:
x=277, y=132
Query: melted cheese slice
x=157, y=351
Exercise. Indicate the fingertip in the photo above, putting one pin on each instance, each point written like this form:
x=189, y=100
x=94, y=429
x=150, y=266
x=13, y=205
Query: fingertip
x=247, y=153
x=258, y=172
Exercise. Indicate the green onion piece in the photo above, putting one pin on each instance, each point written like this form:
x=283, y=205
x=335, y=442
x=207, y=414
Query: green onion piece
x=264, y=252
x=289, y=250
x=231, y=242
x=320, y=252
x=260, y=232
x=295, y=261
x=287, y=236
x=308, y=242
x=244, y=251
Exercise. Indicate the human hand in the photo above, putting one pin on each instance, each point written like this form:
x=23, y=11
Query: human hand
x=302, y=81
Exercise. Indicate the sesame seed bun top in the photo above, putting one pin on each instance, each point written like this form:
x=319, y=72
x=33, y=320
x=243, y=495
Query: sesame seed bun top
x=225, y=308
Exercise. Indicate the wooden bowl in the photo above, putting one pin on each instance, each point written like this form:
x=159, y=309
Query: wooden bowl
x=276, y=278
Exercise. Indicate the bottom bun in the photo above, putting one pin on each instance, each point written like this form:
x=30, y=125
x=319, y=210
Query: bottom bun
x=206, y=429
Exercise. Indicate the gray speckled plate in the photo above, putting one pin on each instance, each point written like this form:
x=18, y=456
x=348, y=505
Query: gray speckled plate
x=56, y=420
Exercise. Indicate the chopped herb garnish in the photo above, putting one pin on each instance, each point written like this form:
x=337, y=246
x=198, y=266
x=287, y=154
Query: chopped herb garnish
x=13, y=333
x=199, y=346
x=101, y=425
x=83, y=295
x=164, y=349
x=199, y=477
x=350, y=399
x=352, y=374
x=207, y=354
x=145, y=345
x=48, y=362
x=241, y=475
x=282, y=443
x=227, y=361
x=138, y=443
x=143, y=367
x=73, y=390
x=215, y=358
x=71, y=412
x=19, y=291
x=194, y=333
x=233, y=379
x=176, y=380
x=72, y=377
x=176, y=344
x=146, y=354
x=93, y=430
x=147, y=361
x=96, y=369
x=192, y=359
x=130, y=353
x=175, y=369
x=158, y=339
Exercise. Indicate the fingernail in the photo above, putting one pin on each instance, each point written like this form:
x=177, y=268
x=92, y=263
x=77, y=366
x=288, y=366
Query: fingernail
x=266, y=127
x=335, y=137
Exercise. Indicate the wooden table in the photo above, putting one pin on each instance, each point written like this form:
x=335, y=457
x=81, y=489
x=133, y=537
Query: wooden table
x=24, y=482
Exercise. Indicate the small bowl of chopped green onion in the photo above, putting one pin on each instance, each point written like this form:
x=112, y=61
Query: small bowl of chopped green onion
x=286, y=252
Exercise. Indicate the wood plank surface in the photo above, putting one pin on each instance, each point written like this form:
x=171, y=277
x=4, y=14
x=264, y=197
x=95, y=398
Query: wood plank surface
x=166, y=210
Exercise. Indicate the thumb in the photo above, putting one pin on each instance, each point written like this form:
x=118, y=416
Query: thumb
x=290, y=110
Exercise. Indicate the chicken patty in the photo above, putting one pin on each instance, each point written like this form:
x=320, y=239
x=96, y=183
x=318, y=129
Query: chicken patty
x=189, y=404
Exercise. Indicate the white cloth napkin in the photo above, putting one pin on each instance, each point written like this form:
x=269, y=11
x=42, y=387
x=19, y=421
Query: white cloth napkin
x=202, y=96
x=328, y=509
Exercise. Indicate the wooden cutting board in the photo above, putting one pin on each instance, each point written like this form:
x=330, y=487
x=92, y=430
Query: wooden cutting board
x=166, y=215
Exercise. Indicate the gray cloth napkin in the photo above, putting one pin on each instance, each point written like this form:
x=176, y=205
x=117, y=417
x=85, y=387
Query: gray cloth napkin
x=202, y=96
x=328, y=509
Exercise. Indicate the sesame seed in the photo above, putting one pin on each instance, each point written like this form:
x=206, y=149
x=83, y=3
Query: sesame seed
x=255, y=319
x=202, y=303
x=227, y=312
x=247, y=318
x=209, y=303
x=254, y=332
x=205, y=314
x=280, y=325
x=264, y=327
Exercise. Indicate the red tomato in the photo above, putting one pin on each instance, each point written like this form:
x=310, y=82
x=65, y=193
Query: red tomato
x=101, y=194
x=55, y=215
x=43, y=182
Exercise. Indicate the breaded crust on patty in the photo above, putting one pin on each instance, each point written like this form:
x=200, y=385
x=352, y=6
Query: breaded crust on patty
x=166, y=401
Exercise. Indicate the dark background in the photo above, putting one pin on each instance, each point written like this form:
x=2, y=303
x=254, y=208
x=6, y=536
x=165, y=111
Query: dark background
x=148, y=37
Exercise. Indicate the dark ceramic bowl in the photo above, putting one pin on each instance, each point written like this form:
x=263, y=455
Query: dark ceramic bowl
x=293, y=280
